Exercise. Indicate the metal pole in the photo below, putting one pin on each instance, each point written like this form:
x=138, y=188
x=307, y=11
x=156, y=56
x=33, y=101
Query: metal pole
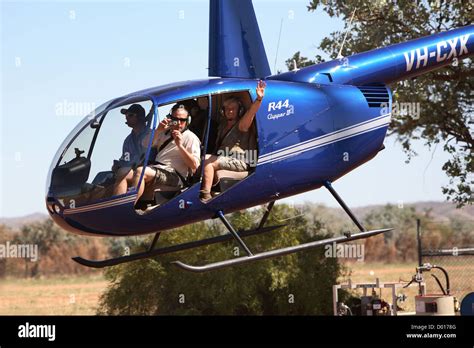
x=418, y=239
x=328, y=185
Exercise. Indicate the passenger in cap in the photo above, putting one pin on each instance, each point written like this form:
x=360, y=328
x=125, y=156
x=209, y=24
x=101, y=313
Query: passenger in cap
x=133, y=149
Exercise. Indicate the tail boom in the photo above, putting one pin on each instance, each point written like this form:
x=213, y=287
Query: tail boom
x=392, y=63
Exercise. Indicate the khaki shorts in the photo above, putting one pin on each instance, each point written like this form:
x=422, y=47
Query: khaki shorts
x=232, y=164
x=166, y=176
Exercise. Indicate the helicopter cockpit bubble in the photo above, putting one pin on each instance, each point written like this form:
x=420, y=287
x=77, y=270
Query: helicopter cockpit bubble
x=97, y=160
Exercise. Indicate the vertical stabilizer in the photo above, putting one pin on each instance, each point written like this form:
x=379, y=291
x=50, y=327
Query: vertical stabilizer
x=235, y=45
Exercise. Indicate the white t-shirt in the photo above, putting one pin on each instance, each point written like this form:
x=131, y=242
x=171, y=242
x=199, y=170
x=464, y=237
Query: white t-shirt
x=170, y=154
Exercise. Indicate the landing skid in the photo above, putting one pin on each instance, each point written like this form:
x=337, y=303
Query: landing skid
x=284, y=251
x=278, y=252
x=171, y=249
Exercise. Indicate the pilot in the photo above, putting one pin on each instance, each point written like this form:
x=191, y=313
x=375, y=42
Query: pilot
x=236, y=143
x=133, y=149
x=178, y=153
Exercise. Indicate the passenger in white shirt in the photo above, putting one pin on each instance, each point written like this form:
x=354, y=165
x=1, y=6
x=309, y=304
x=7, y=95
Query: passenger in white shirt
x=177, y=158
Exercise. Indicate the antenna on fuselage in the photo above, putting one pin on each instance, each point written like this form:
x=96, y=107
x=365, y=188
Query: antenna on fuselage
x=295, y=66
x=278, y=46
x=339, y=55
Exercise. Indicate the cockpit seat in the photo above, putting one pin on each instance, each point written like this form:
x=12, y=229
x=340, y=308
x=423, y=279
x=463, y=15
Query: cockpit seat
x=224, y=179
x=163, y=194
x=155, y=196
x=105, y=178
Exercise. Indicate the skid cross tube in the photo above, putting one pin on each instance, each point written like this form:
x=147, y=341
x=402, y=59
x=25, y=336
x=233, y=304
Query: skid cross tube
x=155, y=239
x=349, y=212
x=227, y=224
x=265, y=216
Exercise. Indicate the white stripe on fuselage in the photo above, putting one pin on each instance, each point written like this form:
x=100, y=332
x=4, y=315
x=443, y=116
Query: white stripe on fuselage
x=326, y=139
x=325, y=135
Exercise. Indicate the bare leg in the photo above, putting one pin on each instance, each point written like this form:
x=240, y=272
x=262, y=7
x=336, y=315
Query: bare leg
x=148, y=177
x=122, y=186
x=210, y=167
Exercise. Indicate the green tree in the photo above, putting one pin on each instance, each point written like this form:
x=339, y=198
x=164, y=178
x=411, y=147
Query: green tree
x=445, y=95
x=55, y=249
x=463, y=232
x=42, y=234
x=294, y=284
x=399, y=244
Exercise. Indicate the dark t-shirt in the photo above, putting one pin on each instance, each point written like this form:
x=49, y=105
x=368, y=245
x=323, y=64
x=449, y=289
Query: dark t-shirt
x=198, y=127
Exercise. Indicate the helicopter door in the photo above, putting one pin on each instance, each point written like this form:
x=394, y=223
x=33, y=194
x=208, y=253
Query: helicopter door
x=99, y=162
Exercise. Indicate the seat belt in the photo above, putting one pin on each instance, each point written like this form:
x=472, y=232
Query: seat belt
x=165, y=143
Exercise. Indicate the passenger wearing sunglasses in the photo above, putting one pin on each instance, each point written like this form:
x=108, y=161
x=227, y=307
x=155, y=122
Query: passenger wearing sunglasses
x=178, y=153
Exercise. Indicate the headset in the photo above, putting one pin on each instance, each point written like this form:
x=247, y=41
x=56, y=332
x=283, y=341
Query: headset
x=237, y=100
x=177, y=106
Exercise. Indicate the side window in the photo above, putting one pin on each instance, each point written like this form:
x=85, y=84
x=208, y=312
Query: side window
x=81, y=145
x=120, y=143
x=100, y=161
x=121, y=146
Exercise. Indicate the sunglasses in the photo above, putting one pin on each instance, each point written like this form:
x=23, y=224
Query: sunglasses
x=179, y=119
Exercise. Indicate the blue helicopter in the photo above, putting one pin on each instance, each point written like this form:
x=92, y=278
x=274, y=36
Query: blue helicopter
x=314, y=125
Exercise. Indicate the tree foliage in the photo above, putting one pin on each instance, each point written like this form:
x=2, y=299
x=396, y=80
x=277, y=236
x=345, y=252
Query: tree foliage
x=55, y=248
x=291, y=285
x=445, y=96
x=296, y=284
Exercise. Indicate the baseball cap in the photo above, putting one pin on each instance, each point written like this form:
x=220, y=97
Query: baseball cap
x=136, y=109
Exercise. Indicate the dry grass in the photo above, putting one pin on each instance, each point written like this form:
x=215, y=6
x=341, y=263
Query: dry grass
x=74, y=295
x=79, y=295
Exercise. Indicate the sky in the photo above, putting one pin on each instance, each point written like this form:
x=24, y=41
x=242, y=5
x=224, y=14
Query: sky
x=59, y=53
